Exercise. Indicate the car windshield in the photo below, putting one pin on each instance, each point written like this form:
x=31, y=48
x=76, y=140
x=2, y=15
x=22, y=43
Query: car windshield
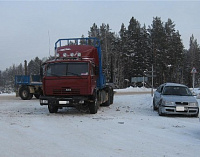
x=67, y=69
x=177, y=90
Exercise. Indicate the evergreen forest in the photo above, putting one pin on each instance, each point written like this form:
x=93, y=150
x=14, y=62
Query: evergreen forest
x=135, y=51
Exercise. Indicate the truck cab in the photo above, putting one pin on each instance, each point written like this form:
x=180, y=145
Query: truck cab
x=74, y=78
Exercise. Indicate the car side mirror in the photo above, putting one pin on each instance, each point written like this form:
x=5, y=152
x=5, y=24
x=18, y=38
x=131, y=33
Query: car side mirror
x=194, y=94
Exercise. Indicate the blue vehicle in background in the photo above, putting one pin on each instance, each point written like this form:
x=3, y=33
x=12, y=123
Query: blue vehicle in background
x=28, y=86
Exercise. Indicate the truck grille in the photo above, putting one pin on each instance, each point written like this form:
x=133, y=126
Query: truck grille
x=66, y=91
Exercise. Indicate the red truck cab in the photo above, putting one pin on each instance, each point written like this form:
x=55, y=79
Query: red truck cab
x=71, y=80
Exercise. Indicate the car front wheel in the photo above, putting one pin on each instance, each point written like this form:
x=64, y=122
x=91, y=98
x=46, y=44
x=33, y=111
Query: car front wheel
x=154, y=106
x=160, y=111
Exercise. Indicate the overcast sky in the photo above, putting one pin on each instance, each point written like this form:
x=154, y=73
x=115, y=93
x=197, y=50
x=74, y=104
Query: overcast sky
x=27, y=26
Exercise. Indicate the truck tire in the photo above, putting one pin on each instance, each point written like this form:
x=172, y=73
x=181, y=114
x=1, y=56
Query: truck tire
x=110, y=98
x=37, y=96
x=93, y=106
x=25, y=94
x=107, y=103
x=30, y=96
x=52, y=109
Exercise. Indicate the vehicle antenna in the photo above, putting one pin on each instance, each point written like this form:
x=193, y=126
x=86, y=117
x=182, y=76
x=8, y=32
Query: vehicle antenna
x=49, y=42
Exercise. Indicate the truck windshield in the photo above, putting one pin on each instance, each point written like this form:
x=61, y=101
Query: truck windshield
x=67, y=69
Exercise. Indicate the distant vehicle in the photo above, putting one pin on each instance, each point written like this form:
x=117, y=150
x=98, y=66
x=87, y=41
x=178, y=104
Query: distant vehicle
x=27, y=86
x=173, y=98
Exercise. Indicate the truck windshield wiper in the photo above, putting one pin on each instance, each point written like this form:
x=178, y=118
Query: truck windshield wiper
x=74, y=74
x=52, y=74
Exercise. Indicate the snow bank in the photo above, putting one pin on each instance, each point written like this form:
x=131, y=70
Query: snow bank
x=133, y=90
x=128, y=128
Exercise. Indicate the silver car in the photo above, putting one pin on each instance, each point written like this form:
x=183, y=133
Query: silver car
x=173, y=98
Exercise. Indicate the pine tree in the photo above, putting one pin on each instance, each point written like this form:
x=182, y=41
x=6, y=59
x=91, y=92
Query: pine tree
x=192, y=57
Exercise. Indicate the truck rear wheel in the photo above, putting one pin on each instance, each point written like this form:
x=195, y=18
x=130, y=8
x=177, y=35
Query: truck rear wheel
x=25, y=94
x=52, y=109
x=107, y=103
x=110, y=98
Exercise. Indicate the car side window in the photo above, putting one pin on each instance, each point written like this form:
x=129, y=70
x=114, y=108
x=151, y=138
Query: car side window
x=160, y=89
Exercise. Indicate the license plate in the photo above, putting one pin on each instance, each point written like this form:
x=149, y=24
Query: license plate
x=180, y=108
x=63, y=102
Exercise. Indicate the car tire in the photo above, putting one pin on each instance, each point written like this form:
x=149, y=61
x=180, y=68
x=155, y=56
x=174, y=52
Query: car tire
x=196, y=115
x=160, y=111
x=154, y=106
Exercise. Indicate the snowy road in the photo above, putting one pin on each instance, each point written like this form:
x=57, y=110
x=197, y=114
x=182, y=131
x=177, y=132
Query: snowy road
x=128, y=128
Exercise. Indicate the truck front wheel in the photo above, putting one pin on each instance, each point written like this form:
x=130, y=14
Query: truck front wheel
x=52, y=109
x=25, y=94
x=37, y=96
x=93, y=106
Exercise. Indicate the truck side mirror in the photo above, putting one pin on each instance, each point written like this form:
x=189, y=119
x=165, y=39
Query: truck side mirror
x=96, y=70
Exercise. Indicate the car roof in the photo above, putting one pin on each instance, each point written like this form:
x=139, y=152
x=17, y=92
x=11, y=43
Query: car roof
x=174, y=84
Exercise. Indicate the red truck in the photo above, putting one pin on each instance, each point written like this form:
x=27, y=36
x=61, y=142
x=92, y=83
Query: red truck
x=75, y=77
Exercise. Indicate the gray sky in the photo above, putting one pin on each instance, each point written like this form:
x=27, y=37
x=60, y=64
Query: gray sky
x=25, y=25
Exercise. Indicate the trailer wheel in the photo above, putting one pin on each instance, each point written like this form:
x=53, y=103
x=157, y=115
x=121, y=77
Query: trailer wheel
x=52, y=109
x=30, y=96
x=25, y=94
x=111, y=96
x=111, y=99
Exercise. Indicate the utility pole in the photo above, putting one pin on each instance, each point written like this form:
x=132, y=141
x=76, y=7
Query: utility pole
x=25, y=67
x=194, y=71
x=152, y=81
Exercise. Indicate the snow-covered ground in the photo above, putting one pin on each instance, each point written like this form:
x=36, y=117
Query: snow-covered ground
x=128, y=128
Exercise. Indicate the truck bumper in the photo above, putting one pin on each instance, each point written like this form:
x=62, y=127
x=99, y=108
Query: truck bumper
x=62, y=101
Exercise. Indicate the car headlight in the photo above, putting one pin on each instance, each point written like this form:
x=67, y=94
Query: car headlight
x=168, y=103
x=193, y=104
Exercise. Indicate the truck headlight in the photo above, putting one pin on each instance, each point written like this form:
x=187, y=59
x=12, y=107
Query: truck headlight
x=72, y=54
x=64, y=55
x=81, y=102
x=44, y=101
x=79, y=54
x=57, y=55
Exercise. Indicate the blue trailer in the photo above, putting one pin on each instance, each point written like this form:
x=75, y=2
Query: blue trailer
x=27, y=86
